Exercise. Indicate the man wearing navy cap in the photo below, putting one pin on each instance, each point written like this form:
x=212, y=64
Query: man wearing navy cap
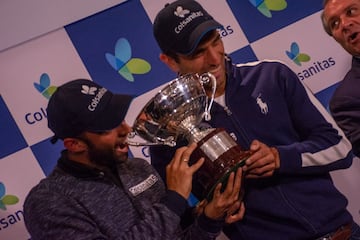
x=289, y=193
x=97, y=192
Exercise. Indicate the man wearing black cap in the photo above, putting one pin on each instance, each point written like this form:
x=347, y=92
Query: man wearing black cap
x=289, y=193
x=96, y=192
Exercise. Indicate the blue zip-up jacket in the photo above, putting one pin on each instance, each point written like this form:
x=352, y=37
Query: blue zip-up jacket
x=266, y=101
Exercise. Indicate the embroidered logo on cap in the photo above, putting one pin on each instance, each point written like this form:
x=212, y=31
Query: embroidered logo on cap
x=91, y=91
x=180, y=12
x=88, y=90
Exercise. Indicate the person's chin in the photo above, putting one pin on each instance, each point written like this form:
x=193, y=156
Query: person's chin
x=122, y=157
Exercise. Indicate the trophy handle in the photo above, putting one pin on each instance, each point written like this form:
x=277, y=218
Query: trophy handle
x=206, y=79
x=170, y=141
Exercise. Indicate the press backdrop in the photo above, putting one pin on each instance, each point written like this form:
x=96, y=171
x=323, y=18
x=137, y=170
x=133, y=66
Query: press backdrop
x=44, y=44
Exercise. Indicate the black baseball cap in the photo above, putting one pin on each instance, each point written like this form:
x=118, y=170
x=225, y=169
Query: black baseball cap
x=83, y=105
x=180, y=25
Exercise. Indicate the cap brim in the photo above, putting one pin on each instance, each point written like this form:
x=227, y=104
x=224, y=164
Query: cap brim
x=199, y=33
x=113, y=114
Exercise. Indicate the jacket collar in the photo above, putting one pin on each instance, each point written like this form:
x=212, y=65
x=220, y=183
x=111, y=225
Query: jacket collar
x=77, y=169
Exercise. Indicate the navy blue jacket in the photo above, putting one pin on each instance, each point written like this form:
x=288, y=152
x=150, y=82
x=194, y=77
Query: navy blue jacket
x=345, y=105
x=266, y=101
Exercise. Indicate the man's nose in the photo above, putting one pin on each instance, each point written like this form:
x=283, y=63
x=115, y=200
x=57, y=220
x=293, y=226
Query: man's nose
x=346, y=22
x=212, y=56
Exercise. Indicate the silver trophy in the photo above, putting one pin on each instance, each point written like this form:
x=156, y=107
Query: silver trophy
x=177, y=111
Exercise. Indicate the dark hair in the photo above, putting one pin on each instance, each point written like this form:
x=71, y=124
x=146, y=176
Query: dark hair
x=323, y=20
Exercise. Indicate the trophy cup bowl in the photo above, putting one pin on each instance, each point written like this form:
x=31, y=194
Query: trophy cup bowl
x=177, y=110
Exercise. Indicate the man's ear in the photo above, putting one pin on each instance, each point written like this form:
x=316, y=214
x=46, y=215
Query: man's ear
x=170, y=62
x=75, y=145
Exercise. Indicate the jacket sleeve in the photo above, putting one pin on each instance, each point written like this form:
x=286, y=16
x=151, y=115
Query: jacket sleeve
x=346, y=112
x=322, y=145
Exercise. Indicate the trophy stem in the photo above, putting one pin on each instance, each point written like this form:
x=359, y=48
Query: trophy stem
x=196, y=135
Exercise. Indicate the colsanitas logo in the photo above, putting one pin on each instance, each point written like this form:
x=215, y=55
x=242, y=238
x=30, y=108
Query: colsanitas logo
x=295, y=55
x=47, y=90
x=144, y=185
x=317, y=66
x=180, y=12
x=187, y=20
x=226, y=31
x=95, y=101
x=264, y=6
x=123, y=62
x=44, y=86
x=5, y=200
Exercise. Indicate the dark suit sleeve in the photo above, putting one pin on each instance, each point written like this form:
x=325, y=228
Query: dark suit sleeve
x=346, y=112
x=162, y=155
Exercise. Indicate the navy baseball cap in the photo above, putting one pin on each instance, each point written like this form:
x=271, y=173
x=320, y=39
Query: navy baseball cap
x=180, y=25
x=82, y=105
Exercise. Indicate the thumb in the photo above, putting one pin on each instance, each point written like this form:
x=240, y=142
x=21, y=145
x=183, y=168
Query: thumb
x=254, y=145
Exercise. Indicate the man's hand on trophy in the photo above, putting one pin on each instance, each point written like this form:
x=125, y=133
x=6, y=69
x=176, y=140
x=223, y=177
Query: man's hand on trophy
x=263, y=161
x=179, y=174
x=225, y=204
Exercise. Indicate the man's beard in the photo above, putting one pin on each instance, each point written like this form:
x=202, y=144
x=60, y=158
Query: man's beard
x=104, y=157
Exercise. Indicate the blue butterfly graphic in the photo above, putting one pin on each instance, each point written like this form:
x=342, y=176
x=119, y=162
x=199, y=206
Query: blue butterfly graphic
x=44, y=87
x=6, y=199
x=124, y=63
x=266, y=6
x=295, y=54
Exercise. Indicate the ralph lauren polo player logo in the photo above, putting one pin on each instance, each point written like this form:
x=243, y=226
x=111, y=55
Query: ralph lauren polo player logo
x=262, y=105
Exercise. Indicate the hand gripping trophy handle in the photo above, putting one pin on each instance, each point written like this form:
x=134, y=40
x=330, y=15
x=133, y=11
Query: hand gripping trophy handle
x=177, y=110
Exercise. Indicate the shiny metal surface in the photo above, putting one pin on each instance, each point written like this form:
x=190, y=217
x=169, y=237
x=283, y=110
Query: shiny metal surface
x=175, y=110
x=217, y=145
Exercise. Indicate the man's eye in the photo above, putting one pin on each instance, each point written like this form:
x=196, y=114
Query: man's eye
x=334, y=24
x=352, y=11
x=196, y=54
x=101, y=132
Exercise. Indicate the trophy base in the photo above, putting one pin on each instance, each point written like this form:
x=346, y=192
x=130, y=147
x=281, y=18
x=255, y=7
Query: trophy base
x=227, y=157
x=223, y=180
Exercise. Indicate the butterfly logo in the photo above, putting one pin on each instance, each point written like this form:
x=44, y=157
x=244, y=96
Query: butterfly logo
x=6, y=199
x=88, y=90
x=266, y=6
x=44, y=86
x=123, y=62
x=180, y=12
x=296, y=56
